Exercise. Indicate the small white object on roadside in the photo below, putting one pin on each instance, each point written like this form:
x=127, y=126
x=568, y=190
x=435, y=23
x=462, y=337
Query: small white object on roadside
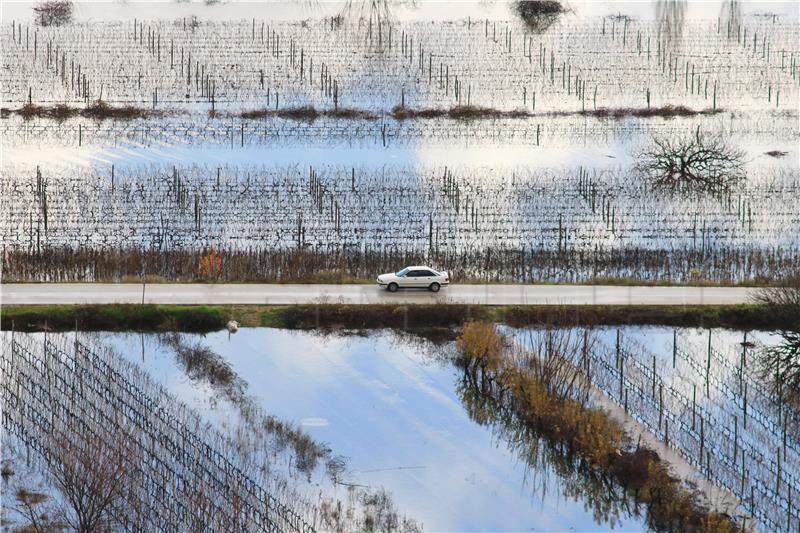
x=233, y=326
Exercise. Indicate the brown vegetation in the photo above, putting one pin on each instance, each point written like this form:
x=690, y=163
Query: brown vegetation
x=516, y=393
x=460, y=112
x=492, y=264
x=665, y=111
x=309, y=113
x=98, y=110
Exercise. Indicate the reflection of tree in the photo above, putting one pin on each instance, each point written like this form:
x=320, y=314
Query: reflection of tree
x=376, y=11
x=671, y=18
x=731, y=14
x=554, y=431
x=780, y=366
x=488, y=406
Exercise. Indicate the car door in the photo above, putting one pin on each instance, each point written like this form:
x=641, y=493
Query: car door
x=412, y=279
x=425, y=278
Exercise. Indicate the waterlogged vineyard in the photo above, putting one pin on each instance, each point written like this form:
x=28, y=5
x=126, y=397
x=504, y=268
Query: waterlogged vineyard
x=565, y=206
x=345, y=145
x=733, y=62
x=547, y=223
x=709, y=396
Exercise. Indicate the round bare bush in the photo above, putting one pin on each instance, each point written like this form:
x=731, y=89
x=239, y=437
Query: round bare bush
x=53, y=13
x=696, y=163
x=538, y=15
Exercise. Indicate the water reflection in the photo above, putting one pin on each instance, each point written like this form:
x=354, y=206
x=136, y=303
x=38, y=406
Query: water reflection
x=491, y=406
x=780, y=366
x=671, y=17
x=388, y=402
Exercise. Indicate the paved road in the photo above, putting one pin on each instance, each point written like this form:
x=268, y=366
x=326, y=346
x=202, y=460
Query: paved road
x=96, y=293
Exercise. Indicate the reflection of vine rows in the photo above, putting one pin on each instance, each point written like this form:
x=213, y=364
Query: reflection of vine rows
x=185, y=478
x=731, y=454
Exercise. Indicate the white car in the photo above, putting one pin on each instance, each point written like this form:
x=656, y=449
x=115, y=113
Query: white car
x=414, y=277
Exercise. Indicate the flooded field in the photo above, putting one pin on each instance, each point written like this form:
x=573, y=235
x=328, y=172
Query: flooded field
x=599, y=142
x=348, y=140
x=396, y=416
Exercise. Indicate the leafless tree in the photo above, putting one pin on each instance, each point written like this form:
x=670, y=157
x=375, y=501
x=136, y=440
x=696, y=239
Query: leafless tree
x=695, y=163
x=37, y=509
x=92, y=477
x=54, y=13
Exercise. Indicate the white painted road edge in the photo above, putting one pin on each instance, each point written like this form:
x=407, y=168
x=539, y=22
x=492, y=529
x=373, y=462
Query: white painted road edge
x=178, y=293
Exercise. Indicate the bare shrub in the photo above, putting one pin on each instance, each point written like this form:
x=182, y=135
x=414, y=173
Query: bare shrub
x=539, y=15
x=202, y=364
x=53, y=13
x=696, y=163
x=92, y=477
x=783, y=301
x=555, y=357
x=37, y=510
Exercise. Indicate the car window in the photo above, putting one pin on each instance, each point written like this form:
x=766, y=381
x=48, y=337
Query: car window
x=426, y=273
x=414, y=274
x=403, y=272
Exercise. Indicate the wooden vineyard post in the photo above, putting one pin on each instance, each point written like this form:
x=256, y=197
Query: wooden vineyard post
x=744, y=407
x=621, y=366
x=654, y=378
x=708, y=362
x=742, y=362
x=702, y=440
x=674, y=346
x=586, y=365
x=741, y=489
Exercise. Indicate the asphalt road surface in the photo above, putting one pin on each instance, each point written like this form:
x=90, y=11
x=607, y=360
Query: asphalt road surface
x=177, y=293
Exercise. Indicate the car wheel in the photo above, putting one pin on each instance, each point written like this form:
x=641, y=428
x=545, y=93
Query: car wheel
x=392, y=287
x=434, y=287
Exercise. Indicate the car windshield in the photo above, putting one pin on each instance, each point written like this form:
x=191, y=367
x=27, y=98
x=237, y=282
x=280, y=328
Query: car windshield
x=403, y=272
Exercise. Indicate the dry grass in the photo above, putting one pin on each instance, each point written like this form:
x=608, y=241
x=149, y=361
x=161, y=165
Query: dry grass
x=309, y=113
x=461, y=112
x=98, y=110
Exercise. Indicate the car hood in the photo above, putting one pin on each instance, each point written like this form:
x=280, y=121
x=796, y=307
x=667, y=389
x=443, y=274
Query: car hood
x=387, y=276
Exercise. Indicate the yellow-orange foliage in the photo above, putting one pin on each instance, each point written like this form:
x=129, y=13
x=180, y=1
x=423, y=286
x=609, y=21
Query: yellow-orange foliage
x=211, y=264
x=481, y=343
